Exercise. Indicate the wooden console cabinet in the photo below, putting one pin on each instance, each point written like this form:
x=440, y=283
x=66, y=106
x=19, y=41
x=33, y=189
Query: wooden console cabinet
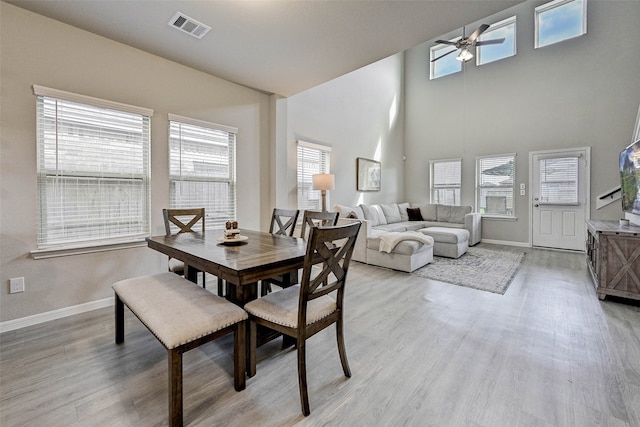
x=613, y=256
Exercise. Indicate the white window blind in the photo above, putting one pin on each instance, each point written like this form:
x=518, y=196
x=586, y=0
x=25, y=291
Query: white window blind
x=559, y=181
x=202, y=168
x=446, y=181
x=312, y=159
x=495, y=178
x=93, y=170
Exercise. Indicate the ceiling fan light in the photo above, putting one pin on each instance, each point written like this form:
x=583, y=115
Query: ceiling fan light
x=464, y=55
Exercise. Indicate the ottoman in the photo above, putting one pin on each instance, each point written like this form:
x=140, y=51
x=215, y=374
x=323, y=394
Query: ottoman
x=448, y=242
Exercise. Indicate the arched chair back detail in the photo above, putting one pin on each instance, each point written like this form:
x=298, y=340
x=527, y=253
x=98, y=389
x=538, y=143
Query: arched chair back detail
x=303, y=310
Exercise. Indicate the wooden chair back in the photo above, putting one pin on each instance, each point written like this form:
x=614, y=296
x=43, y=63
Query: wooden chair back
x=330, y=249
x=283, y=221
x=315, y=218
x=184, y=219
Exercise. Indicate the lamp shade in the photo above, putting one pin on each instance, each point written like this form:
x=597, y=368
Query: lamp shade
x=323, y=181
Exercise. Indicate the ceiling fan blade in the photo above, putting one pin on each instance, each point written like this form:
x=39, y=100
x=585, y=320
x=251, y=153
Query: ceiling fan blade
x=445, y=42
x=442, y=56
x=481, y=29
x=486, y=42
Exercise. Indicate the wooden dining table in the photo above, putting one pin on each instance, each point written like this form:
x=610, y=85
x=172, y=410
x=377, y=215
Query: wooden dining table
x=242, y=265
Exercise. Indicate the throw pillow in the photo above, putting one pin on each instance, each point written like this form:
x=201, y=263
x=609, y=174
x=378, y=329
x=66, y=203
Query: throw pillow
x=370, y=214
x=391, y=213
x=353, y=215
x=414, y=214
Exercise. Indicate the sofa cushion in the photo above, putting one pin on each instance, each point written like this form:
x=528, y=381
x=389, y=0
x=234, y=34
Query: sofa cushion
x=373, y=214
x=426, y=224
x=402, y=207
x=345, y=211
x=414, y=214
x=398, y=226
x=407, y=247
x=391, y=213
x=455, y=214
x=427, y=210
x=447, y=235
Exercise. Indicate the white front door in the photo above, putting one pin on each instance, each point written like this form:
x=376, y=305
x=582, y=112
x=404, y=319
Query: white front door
x=560, y=198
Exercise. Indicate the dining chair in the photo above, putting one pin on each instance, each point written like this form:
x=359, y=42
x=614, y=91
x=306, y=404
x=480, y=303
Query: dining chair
x=303, y=310
x=186, y=220
x=317, y=218
x=283, y=222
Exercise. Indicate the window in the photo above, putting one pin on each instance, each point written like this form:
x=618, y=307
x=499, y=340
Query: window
x=495, y=178
x=492, y=52
x=93, y=170
x=560, y=20
x=312, y=159
x=446, y=65
x=559, y=181
x=202, y=168
x=445, y=181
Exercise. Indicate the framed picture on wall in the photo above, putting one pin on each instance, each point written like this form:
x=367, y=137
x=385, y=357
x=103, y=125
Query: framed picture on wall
x=367, y=175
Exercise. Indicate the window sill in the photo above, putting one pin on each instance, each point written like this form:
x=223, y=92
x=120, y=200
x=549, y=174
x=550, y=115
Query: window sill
x=499, y=217
x=78, y=250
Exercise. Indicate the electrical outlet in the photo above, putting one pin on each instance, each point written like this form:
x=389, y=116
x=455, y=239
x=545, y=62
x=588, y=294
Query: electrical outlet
x=16, y=285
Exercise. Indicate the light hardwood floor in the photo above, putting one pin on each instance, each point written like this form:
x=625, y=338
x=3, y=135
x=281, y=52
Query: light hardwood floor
x=422, y=353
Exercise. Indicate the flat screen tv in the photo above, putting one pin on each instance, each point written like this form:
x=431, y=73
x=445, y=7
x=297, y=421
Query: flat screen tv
x=630, y=178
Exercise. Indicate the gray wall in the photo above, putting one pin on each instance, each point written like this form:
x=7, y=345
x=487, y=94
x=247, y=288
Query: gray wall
x=581, y=92
x=359, y=115
x=37, y=50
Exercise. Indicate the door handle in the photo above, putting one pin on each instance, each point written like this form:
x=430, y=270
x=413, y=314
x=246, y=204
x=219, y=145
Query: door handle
x=536, y=205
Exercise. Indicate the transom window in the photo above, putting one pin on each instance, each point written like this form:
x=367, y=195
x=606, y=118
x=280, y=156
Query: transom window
x=312, y=159
x=495, y=184
x=93, y=170
x=446, y=65
x=560, y=20
x=492, y=52
x=445, y=181
x=202, y=168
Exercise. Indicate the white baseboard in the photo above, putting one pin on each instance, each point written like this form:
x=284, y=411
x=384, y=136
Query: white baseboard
x=23, y=322
x=506, y=243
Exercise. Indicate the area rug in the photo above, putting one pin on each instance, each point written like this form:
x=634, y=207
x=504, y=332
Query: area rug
x=482, y=268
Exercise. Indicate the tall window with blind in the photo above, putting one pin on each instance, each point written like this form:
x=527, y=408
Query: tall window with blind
x=202, y=168
x=93, y=170
x=559, y=181
x=445, y=181
x=495, y=185
x=312, y=159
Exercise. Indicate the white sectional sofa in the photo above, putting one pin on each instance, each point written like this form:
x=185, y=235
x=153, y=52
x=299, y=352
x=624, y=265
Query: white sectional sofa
x=395, y=217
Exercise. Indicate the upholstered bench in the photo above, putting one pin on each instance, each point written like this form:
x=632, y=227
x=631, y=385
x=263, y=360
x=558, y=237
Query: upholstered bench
x=182, y=316
x=448, y=242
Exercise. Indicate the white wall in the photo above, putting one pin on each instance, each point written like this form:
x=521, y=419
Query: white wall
x=358, y=115
x=38, y=50
x=581, y=92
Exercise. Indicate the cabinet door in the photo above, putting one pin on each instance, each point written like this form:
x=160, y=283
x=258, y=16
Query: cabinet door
x=621, y=264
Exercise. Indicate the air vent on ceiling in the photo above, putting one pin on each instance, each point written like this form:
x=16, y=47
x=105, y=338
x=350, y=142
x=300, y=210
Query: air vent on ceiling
x=188, y=25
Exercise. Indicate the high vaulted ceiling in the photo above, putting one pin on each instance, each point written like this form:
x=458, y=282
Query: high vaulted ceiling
x=275, y=46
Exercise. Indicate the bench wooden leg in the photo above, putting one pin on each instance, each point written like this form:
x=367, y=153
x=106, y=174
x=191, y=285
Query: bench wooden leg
x=251, y=344
x=240, y=355
x=119, y=320
x=175, y=387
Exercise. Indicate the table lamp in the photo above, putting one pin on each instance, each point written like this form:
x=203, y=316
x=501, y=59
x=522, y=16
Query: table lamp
x=323, y=182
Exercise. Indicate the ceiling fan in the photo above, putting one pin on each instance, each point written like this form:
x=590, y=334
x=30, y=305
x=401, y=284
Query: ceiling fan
x=467, y=43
